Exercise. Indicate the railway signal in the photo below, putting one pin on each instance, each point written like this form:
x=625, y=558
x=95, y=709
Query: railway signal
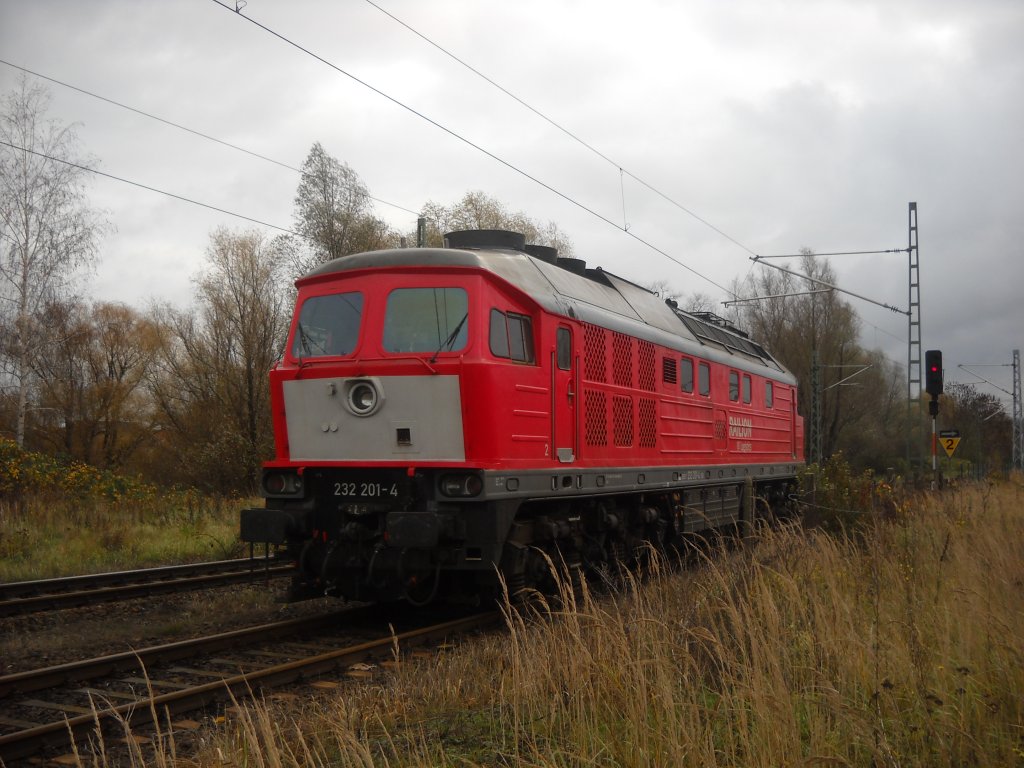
x=933, y=386
x=933, y=372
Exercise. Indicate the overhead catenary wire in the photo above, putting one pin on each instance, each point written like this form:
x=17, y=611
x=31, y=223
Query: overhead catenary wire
x=185, y=128
x=152, y=189
x=890, y=307
x=833, y=253
x=454, y=134
x=623, y=171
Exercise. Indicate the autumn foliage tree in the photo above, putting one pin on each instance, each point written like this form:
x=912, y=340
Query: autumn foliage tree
x=211, y=384
x=91, y=373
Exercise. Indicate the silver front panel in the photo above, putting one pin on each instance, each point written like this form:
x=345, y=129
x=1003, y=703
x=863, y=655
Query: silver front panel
x=419, y=419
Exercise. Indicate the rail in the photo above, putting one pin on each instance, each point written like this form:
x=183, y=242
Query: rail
x=23, y=597
x=72, y=725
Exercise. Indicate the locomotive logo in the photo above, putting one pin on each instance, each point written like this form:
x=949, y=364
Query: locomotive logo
x=740, y=427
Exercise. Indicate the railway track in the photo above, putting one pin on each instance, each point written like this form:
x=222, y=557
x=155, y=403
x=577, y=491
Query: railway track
x=164, y=681
x=24, y=597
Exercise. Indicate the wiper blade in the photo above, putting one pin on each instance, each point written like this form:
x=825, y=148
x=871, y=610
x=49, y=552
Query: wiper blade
x=450, y=341
x=307, y=344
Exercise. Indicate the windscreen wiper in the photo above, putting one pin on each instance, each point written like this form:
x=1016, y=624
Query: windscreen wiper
x=450, y=341
x=307, y=344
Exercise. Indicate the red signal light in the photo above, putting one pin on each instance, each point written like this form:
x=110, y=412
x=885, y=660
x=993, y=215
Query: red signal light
x=933, y=372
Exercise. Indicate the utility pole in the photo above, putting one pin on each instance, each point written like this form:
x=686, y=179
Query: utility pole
x=913, y=331
x=1018, y=418
x=815, y=420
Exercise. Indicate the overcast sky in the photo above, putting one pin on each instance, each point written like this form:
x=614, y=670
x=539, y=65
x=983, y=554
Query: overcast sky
x=782, y=124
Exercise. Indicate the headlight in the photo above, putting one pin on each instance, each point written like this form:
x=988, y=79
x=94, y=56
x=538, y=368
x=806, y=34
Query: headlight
x=461, y=485
x=281, y=483
x=364, y=396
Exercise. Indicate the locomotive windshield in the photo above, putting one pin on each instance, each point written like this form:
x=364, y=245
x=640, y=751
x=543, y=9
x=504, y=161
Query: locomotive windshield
x=328, y=325
x=426, y=320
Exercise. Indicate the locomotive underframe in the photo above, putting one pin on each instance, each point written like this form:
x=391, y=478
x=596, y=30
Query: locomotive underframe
x=407, y=541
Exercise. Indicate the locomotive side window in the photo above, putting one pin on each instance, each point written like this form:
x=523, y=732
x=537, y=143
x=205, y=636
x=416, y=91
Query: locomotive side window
x=511, y=336
x=328, y=325
x=734, y=386
x=704, y=379
x=563, y=344
x=686, y=374
x=426, y=320
x=769, y=394
x=746, y=389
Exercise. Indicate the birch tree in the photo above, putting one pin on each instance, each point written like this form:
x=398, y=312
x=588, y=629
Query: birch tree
x=48, y=231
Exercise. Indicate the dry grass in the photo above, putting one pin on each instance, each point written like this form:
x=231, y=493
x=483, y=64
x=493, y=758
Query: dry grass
x=902, y=645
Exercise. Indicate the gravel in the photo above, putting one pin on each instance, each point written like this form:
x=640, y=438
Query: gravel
x=56, y=637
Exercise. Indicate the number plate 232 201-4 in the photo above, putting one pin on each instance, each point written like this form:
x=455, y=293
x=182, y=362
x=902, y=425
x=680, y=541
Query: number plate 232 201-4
x=362, y=489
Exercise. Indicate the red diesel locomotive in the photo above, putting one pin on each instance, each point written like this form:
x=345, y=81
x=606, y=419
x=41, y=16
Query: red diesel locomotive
x=445, y=418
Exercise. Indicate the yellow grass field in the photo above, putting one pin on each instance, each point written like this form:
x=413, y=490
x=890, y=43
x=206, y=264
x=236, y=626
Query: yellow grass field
x=901, y=644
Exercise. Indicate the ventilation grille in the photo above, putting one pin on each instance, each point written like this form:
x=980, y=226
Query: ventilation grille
x=669, y=371
x=648, y=422
x=721, y=430
x=594, y=361
x=595, y=416
x=622, y=359
x=646, y=369
x=622, y=420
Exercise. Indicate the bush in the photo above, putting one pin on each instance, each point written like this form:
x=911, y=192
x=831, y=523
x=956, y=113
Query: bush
x=63, y=516
x=834, y=497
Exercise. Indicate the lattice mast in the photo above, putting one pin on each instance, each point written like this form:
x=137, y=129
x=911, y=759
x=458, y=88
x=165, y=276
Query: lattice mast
x=913, y=329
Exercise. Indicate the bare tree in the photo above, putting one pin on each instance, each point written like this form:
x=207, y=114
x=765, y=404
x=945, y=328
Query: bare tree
x=984, y=424
x=799, y=327
x=212, y=384
x=333, y=213
x=48, y=232
x=477, y=210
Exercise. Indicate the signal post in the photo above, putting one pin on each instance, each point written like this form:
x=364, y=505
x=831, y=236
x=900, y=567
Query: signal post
x=933, y=386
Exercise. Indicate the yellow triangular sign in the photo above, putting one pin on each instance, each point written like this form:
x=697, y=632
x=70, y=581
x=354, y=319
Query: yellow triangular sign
x=950, y=444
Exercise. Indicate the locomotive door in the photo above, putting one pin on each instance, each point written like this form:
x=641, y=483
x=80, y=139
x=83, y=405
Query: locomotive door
x=564, y=397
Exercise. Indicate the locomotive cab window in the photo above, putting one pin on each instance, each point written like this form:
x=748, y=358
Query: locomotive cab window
x=769, y=394
x=704, y=379
x=734, y=386
x=686, y=374
x=430, y=320
x=511, y=336
x=328, y=325
x=746, y=389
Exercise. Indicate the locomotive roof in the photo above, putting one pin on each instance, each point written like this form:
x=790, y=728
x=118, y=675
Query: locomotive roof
x=595, y=296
